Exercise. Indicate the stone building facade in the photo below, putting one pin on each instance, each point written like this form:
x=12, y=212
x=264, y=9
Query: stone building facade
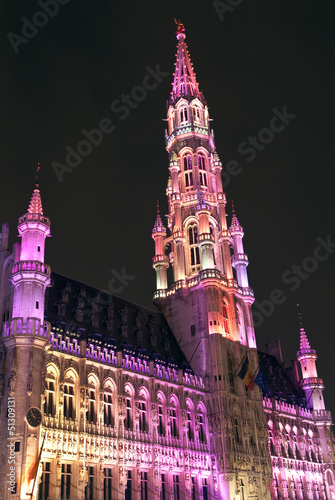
x=102, y=399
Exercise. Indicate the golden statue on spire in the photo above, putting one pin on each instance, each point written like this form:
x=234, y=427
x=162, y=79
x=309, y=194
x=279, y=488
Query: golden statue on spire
x=180, y=26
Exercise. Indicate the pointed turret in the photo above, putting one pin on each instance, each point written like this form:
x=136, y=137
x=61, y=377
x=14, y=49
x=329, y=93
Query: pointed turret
x=310, y=383
x=160, y=262
x=184, y=81
x=239, y=258
x=30, y=273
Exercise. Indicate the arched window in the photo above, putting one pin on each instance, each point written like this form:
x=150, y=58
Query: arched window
x=91, y=414
x=161, y=414
x=129, y=407
x=187, y=165
x=193, y=245
x=69, y=406
x=196, y=111
x=142, y=407
x=201, y=425
x=202, y=169
x=50, y=396
x=236, y=430
x=108, y=404
x=183, y=116
x=329, y=478
x=189, y=421
x=173, y=419
x=225, y=316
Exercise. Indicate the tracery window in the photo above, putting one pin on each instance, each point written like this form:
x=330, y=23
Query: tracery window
x=193, y=245
x=108, y=409
x=142, y=415
x=225, y=316
x=107, y=483
x=91, y=413
x=69, y=407
x=50, y=398
x=189, y=422
x=183, y=115
x=161, y=426
x=196, y=114
x=202, y=435
x=129, y=408
x=173, y=420
x=44, y=485
x=65, y=485
x=202, y=169
x=187, y=165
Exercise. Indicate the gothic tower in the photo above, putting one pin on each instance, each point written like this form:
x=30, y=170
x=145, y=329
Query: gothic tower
x=313, y=387
x=208, y=304
x=24, y=339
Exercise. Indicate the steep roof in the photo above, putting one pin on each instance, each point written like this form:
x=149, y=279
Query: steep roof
x=280, y=381
x=77, y=309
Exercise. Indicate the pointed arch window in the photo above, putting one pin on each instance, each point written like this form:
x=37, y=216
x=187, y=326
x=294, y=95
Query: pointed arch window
x=201, y=427
x=161, y=412
x=91, y=413
x=129, y=404
x=108, y=406
x=189, y=422
x=50, y=398
x=183, y=116
x=202, y=170
x=196, y=114
x=225, y=316
x=142, y=408
x=69, y=406
x=193, y=246
x=187, y=165
x=173, y=420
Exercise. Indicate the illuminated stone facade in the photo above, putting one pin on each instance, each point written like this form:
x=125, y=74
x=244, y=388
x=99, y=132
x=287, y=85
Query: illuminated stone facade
x=145, y=405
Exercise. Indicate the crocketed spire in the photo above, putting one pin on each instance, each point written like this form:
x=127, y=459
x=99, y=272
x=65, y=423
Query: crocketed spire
x=35, y=206
x=184, y=81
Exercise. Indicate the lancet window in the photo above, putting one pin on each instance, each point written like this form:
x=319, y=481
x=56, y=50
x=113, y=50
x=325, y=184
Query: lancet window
x=187, y=166
x=202, y=169
x=193, y=245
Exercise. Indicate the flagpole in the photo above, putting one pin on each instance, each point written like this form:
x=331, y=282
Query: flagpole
x=38, y=464
x=233, y=375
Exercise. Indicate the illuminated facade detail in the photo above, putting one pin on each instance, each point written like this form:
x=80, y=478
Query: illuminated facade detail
x=140, y=404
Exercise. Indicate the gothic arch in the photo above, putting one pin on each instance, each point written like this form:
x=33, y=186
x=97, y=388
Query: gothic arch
x=71, y=374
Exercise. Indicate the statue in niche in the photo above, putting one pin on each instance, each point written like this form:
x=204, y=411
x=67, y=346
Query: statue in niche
x=12, y=381
x=29, y=380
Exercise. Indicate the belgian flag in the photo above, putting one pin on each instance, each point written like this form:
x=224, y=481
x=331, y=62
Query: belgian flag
x=246, y=374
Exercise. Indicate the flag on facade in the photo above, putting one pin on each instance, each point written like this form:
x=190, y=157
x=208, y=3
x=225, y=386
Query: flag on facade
x=262, y=382
x=246, y=374
x=33, y=469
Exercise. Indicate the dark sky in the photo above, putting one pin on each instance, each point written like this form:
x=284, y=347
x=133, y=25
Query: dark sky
x=263, y=56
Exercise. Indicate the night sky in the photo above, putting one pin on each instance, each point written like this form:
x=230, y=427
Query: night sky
x=254, y=60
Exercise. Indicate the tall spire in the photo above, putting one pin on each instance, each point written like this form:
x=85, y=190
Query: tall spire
x=35, y=206
x=184, y=81
x=304, y=343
